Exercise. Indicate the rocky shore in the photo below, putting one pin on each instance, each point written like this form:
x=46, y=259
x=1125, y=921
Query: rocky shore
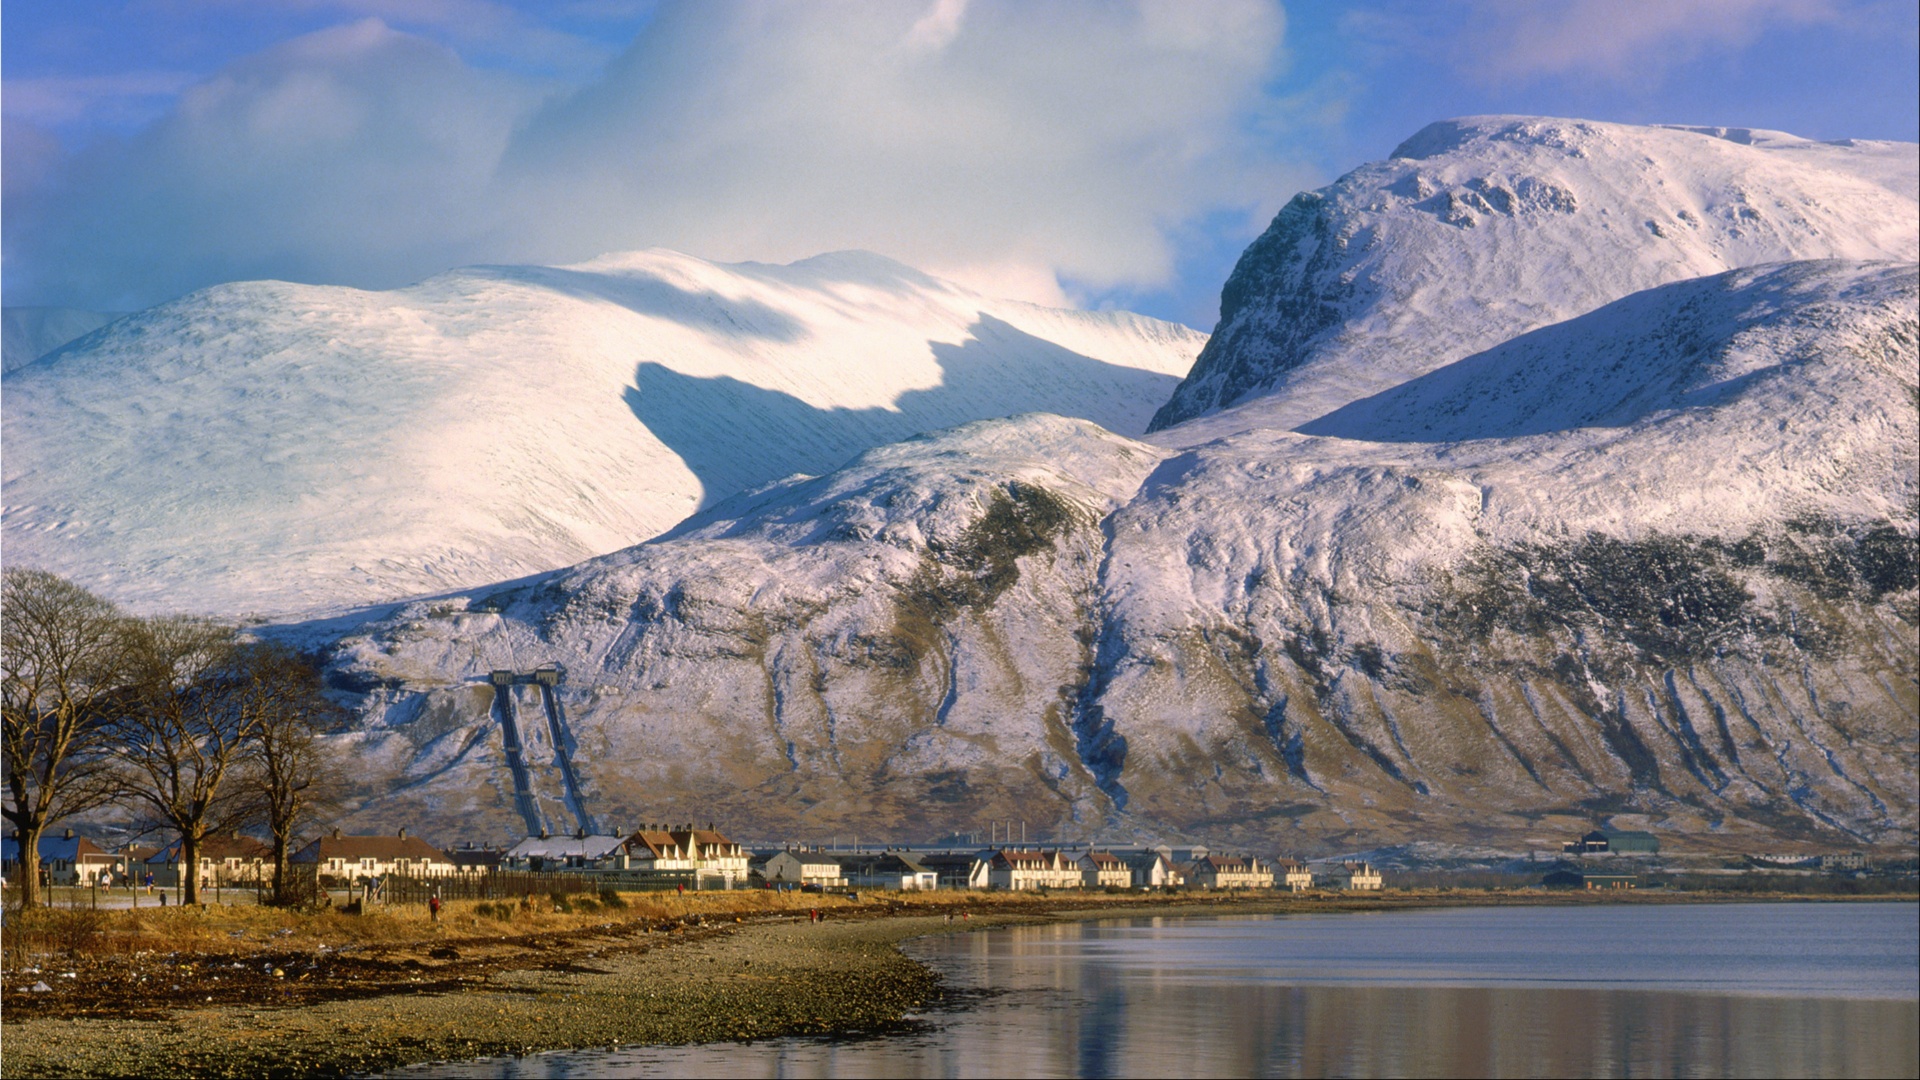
x=724, y=977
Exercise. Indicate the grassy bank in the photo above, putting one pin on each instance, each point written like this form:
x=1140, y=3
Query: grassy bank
x=253, y=991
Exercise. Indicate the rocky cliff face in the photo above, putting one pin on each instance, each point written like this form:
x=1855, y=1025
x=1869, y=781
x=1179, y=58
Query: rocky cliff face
x=1640, y=547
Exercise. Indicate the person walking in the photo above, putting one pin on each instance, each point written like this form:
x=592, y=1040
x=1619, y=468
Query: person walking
x=433, y=906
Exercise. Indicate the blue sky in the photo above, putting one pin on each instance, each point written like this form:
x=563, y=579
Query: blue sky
x=1107, y=154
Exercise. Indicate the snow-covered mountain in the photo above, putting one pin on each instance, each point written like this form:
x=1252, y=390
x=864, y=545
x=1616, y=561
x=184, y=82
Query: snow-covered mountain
x=1480, y=229
x=270, y=447
x=32, y=332
x=1690, y=605
x=1548, y=472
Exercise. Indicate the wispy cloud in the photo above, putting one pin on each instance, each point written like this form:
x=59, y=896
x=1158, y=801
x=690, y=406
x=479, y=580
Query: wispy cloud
x=1503, y=40
x=52, y=100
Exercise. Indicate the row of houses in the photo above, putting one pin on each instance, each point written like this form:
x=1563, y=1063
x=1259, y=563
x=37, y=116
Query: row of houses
x=1038, y=868
x=705, y=857
x=230, y=859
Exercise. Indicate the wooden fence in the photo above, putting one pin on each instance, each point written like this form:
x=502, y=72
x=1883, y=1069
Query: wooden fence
x=513, y=884
x=499, y=885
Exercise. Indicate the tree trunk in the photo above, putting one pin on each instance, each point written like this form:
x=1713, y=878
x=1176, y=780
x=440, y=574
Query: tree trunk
x=29, y=872
x=190, y=868
x=280, y=883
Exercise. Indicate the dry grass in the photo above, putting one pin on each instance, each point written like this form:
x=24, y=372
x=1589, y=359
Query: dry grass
x=246, y=927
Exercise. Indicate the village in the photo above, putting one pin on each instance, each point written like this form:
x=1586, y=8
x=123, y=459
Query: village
x=680, y=857
x=358, y=869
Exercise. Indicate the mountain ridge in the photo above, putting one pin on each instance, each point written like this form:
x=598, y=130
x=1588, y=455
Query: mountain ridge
x=269, y=447
x=1482, y=228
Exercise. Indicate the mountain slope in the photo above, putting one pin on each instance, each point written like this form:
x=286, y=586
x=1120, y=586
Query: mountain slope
x=1480, y=229
x=33, y=332
x=271, y=447
x=1701, y=617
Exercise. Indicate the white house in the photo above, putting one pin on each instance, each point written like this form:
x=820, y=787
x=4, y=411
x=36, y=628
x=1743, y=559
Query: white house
x=1026, y=868
x=562, y=853
x=1230, y=872
x=705, y=852
x=1350, y=874
x=1153, y=870
x=805, y=868
x=65, y=860
x=1293, y=875
x=1100, y=869
x=357, y=858
x=224, y=860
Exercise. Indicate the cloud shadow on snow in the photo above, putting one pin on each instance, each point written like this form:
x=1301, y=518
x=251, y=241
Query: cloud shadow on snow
x=1643, y=354
x=650, y=296
x=735, y=435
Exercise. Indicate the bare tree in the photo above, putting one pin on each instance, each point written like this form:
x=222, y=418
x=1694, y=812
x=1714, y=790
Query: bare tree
x=63, y=651
x=290, y=776
x=181, y=737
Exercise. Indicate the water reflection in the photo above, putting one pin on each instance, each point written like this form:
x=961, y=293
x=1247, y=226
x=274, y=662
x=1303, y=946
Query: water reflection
x=1737, y=990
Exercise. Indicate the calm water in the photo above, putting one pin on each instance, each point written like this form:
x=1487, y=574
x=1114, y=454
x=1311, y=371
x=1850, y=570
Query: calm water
x=1697, y=990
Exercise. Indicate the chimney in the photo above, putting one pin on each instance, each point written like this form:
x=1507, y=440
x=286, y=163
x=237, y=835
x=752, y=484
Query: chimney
x=336, y=832
x=403, y=832
x=69, y=834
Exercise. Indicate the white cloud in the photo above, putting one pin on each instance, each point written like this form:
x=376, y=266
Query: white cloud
x=1614, y=39
x=1015, y=141
x=1006, y=142
x=357, y=154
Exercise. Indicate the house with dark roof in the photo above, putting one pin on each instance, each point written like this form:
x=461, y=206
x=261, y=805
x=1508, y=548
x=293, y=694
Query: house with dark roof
x=959, y=869
x=66, y=859
x=1614, y=842
x=1350, y=874
x=1230, y=872
x=889, y=870
x=470, y=861
x=1152, y=869
x=1581, y=879
x=803, y=867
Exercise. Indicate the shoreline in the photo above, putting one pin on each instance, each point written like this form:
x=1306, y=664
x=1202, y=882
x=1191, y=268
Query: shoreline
x=753, y=975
